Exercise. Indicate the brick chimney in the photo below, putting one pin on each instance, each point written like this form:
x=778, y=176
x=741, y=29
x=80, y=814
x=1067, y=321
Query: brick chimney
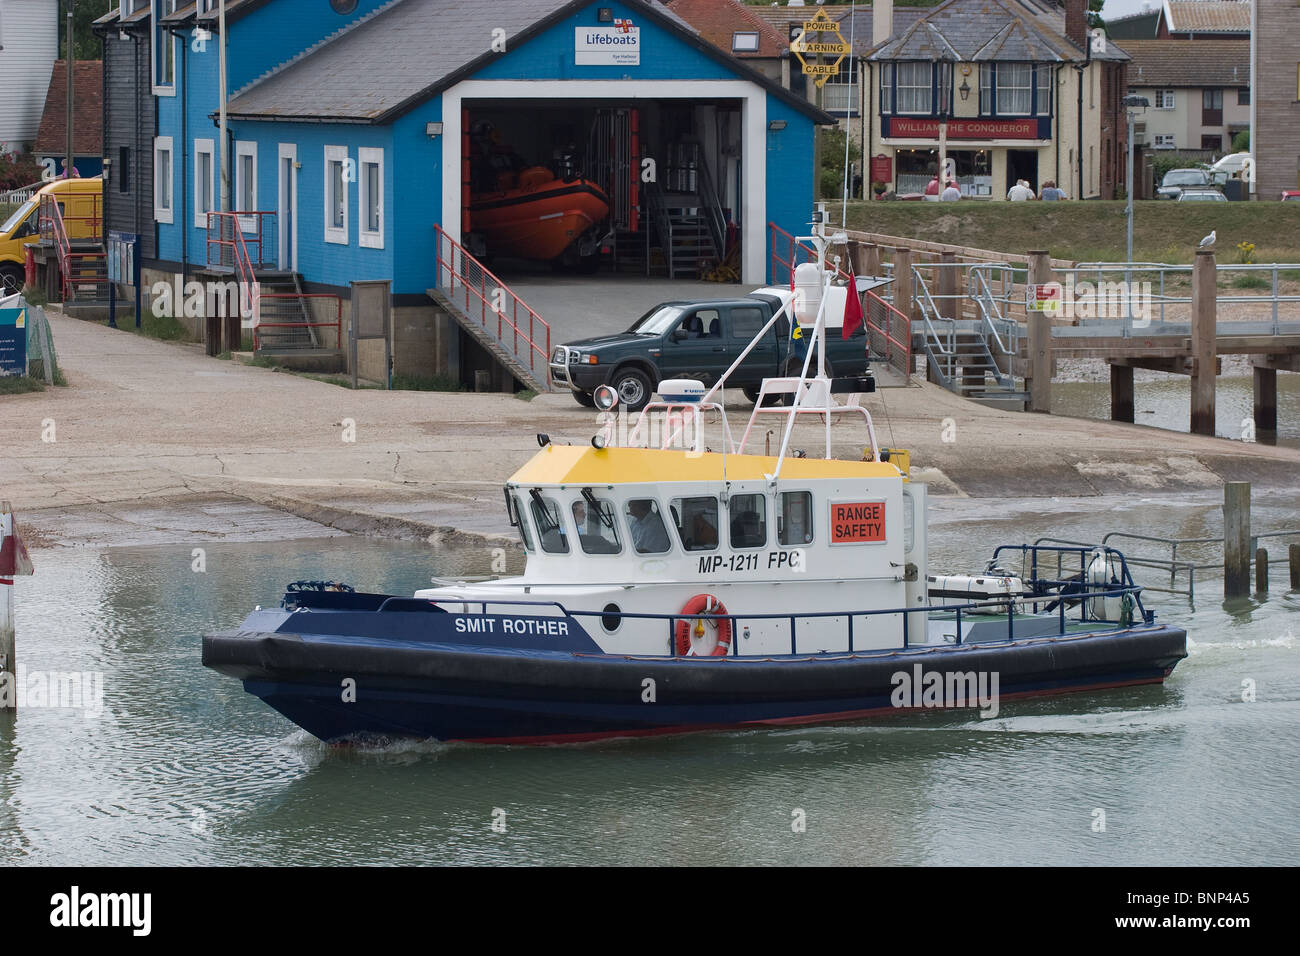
x=1076, y=23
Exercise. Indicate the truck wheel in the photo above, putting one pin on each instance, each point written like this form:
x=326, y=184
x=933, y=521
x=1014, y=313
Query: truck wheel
x=12, y=279
x=751, y=393
x=633, y=387
x=584, y=399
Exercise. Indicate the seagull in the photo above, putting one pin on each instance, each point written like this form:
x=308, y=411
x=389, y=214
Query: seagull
x=1207, y=241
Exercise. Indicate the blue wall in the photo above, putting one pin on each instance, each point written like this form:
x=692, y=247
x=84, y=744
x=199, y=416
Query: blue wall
x=789, y=172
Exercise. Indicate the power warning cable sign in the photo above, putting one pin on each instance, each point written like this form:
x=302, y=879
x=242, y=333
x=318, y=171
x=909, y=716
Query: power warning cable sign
x=855, y=522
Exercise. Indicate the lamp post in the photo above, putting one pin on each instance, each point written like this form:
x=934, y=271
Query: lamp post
x=1131, y=105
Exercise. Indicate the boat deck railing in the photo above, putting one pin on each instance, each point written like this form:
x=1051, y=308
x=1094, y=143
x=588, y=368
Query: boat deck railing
x=1010, y=609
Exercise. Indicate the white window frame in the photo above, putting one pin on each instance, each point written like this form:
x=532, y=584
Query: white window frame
x=844, y=86
x=335, y=234
x=160, y=89
x=368, y=156
x=204, y=147
x=125, y=8
x=926, y=69
x=1166, y=100
x=1006, y=89
x=887, y=89
x=744, y=41
x=245, y=148
x=1164, y=141
x=1044, y=78
x=164, y=213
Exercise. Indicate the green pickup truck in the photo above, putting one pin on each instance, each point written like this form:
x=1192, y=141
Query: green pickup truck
x=699, y=340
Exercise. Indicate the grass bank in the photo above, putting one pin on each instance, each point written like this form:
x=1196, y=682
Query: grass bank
x=1093, y=230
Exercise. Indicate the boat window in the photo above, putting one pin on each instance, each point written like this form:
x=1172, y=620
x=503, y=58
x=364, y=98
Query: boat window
x=748, y=515
x=794, y=520
x=649, y=536
x=546, y=514
x=596, y=529
x=697, y=522
x=521, y=518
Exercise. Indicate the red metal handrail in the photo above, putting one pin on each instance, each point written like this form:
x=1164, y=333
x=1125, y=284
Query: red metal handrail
x=895, y=337
x=458, y=270
x=337, y=324
x=50, y=222
x=243, y=265
x=247, y=237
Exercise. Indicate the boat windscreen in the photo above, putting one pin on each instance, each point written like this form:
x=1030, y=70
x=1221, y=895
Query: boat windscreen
x=657, y=321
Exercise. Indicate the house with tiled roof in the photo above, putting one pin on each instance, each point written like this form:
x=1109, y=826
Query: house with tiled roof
x=736, y=28
x=1200, y=19
x=1199, y=91
x=995, y=91
x=87, y=118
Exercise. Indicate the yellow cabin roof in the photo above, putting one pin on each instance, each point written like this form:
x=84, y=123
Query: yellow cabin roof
x=585, y=465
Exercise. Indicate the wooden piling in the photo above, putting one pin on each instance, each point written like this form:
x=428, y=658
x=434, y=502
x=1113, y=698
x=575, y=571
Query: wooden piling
x=904, y=296
x=1265, y=410
x=1121, y=393
x=872, y=266
x=8, y=650
x=1040, y=339
x=1293, y=553
x=1261, y=571
x=1236, y=539
x=1204, y=317
x=947, y=301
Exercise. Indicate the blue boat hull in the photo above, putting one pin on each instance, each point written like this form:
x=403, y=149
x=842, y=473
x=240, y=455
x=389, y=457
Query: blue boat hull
x=341, y=687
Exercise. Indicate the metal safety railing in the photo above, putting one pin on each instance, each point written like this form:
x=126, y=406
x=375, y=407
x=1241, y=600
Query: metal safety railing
x=231, y=237
x=311, y=326
x=75, y=268
x=230, y=234
x=485, y=300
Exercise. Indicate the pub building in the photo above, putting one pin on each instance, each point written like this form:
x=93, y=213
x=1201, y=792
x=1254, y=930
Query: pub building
x=995, y=91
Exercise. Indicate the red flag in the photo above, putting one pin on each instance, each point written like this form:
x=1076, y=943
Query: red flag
x=852, y=307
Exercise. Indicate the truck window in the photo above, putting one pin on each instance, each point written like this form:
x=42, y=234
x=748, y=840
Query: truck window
x=19, y=215
x=657, y=321
x=748, y=516
x=710, y=323
x=697, y=522
x=745, y=322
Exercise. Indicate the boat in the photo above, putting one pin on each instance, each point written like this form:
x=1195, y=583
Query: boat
x=680, y=582
x=540, y=217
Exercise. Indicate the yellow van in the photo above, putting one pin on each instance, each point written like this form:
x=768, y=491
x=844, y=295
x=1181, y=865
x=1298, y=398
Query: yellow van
x=81, y=205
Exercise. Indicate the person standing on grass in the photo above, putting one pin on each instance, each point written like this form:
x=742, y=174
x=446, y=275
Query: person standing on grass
x=1020, y=192
x=951, y=193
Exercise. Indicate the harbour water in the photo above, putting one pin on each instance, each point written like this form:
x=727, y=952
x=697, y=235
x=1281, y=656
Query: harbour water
x=182, y=767
x=1165, y=403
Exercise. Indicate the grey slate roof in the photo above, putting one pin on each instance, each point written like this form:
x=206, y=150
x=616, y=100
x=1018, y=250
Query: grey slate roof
x=388, y=62
x=988, y=30
x=860, y=24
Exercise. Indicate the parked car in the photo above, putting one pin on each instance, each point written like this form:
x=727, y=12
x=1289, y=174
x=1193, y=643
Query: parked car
x=1201, y=195
x=79, y=202
x=1290, y=195
x=1176, y=180
x=699, y=340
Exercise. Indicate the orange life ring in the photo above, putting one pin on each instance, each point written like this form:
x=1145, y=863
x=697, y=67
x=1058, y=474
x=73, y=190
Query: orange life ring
x=706, y=604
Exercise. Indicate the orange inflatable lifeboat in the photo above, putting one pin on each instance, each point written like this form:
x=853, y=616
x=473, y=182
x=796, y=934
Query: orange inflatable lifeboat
x=540, y=217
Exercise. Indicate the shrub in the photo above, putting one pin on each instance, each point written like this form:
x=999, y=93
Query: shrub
x=18, y=169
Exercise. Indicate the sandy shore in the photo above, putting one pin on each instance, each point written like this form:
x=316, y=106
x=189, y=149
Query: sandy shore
x=154, y=439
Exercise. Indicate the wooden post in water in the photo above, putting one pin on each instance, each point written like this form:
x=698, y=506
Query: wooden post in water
x=1293, y=553
x=1265, y=411
x=8, y=665
x=1261, y=571
x=1236, y=539
x=1121, y=392
x=1040, y=340
x=1204, y=315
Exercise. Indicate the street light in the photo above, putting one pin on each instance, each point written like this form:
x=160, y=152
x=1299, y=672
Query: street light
x=1131, y=104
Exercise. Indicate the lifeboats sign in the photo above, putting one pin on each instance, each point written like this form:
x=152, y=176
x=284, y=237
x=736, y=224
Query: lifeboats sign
x=857, y=522
x=619, y=45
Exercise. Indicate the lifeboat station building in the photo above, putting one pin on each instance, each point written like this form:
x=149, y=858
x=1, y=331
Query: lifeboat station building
x=996, y=91
x=359, y=132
